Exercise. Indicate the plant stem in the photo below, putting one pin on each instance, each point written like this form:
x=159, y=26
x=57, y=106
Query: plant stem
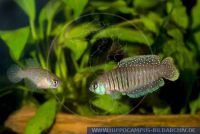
x=5, y=93
x=75, y=64
x=33, y=30
x=49, y=25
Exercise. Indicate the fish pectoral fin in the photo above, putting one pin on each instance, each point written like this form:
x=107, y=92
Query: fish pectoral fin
x=139, y=60
x=116, y=95
x=149, y=88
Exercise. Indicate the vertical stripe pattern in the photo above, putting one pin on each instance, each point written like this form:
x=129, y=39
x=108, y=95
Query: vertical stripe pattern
x=127, y=79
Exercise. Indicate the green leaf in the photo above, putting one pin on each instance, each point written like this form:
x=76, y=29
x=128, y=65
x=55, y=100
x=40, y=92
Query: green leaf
x=195, y=105
x=15, y=40
x=77, y=47
x=57, y=29
x=85, y=110
x=185, y=59
x=93, y=69
x=105, y=5
x=161, y=110
x=196, y=15
x=61, y=67
x=131, y=49
x=196, y=23
x=28, y=6
x=48, y=13
x=179, y=15
x=77, y=6
x=114, y=6
x=74, y=38
x=176, y=34
x=80, y=31
x=145, y=3
x=43, y=119
x=197, y=39
x=155, y=17
x=108, y=104
x=150, y=24
x=125, y=34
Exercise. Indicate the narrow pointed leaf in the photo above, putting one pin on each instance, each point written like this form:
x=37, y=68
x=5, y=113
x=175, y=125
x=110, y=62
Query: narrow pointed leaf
x=43, y=119
x=77, y=6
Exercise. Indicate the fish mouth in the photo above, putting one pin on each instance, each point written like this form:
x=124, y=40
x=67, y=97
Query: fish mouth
x=91, y=89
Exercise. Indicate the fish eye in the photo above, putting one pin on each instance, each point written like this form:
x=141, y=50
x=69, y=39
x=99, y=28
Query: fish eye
x=95, y=85
x=54, y=83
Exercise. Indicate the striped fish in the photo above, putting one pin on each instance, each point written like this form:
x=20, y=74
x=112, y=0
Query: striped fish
x=136, y=76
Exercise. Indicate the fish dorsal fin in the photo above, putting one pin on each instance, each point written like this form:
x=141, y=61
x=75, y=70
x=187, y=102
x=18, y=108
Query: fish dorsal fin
x=31, y=63
x=149, y=88
x=139, y=60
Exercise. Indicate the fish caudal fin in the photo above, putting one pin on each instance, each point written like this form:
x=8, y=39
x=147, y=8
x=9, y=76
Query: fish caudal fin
x=170, y=71
x=14, y=74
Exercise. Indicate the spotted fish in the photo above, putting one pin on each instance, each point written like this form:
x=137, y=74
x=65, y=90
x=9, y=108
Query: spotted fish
x=36, y=77
x=136, y=76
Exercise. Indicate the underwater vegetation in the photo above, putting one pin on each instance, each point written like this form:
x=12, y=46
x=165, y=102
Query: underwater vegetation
x=79, y=40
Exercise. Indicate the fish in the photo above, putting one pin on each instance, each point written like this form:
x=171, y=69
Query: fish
x=36, y=77
x=136, y=76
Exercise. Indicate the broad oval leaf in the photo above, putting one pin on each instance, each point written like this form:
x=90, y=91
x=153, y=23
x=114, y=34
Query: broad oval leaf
x=75, y=38
x=80, y=31
x=150, y=24
x=43, y=119
x=77, y=47
x=15, y=40
x=196, y=15
x=113, y=6
x=185, y=59
x=176, y=34
x=196, y=23
x=125, y=34
x=105, y=5
x=179, y=15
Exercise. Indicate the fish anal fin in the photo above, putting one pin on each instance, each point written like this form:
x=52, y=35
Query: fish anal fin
x=31, y=85
x=116, y=95
x=149, y=88
x=139, y=60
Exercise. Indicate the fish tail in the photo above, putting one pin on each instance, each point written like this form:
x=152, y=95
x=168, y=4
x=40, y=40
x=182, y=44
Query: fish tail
x=170, y=71
x=14, y=74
